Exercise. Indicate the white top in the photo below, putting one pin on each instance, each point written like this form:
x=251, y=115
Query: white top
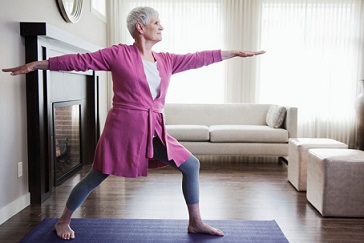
x=153, y=78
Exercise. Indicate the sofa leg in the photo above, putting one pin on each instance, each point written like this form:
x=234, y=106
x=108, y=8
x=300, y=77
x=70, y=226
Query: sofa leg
x=282, y=159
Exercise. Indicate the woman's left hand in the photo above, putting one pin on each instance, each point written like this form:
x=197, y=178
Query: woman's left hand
x=249, y=53
x=229, y=54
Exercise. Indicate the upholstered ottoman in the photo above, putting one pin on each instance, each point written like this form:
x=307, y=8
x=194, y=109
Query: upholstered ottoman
x=297, y=157
x=335, y=182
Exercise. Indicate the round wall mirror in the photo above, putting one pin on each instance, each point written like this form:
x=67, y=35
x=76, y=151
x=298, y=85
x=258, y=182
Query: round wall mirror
x=70, y=9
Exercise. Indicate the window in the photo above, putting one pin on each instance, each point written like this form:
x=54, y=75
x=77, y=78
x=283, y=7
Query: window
x=98, y=8
x=313, y=62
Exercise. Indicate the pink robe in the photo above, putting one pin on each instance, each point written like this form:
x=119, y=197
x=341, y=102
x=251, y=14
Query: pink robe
x=125, y=145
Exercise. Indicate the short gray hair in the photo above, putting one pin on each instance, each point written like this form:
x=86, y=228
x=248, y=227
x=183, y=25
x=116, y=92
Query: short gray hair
x=141, y=15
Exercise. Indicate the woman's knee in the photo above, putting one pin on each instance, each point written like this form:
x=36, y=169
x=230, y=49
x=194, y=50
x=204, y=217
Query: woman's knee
x=196, y=162
x=94, y=178
x=191, y=164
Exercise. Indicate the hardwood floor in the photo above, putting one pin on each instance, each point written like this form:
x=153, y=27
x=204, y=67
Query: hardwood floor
x=247, y=191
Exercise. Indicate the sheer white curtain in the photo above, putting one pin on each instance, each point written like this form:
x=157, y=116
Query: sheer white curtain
x=313, y=61
x=189, y=26
x=241, y=29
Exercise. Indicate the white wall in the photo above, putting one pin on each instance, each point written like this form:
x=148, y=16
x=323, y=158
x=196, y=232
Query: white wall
x=14, y=195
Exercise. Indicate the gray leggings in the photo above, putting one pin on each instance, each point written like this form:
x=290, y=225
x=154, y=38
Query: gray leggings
x=190, y=181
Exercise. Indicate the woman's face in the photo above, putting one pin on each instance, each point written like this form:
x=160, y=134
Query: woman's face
x=153, y=30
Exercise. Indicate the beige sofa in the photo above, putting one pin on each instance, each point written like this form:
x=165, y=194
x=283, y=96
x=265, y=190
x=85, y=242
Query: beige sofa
x=232, y=129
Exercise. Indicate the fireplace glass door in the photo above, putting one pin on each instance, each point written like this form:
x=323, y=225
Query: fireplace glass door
x=66, y=139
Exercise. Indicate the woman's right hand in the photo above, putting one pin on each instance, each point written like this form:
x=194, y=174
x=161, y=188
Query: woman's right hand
x=29, y=67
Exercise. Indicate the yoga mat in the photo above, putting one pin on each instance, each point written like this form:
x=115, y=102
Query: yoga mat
x=157, y=230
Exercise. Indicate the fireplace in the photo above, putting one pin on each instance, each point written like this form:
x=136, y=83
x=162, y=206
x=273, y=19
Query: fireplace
x=62, y=111
x=66, y=139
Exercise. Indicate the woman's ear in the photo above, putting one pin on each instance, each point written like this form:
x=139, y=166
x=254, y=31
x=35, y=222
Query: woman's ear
x=139, y=27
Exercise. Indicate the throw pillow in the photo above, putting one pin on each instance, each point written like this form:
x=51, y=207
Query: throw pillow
x=275, y=116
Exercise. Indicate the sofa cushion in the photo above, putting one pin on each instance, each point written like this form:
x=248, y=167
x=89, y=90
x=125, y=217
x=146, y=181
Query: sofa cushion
x=247, y=133
x=275, y=116
x=216, y=114
x=189, y=132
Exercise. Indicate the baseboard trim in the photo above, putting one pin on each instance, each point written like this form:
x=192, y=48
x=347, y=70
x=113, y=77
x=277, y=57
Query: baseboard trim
x=14, y=207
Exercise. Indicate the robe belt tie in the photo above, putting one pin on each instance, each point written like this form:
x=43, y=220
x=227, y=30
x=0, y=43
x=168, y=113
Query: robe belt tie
x=150, y=130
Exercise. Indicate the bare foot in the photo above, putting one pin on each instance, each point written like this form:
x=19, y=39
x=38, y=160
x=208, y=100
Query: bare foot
x=64, y=231
x=204, y=229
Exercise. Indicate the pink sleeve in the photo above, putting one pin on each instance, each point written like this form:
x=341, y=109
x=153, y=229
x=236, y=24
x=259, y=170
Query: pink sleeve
x=195, y=60
x=99, y=60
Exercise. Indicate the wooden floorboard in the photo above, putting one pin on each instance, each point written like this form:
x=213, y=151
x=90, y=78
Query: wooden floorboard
x=246, y=191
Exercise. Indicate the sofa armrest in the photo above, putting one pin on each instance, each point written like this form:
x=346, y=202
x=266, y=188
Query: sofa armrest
x=290, y=122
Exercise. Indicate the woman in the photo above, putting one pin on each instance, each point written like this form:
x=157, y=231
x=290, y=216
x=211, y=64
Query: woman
x=134, y=130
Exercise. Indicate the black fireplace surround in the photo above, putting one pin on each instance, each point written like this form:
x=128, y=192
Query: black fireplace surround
x=46, y=91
